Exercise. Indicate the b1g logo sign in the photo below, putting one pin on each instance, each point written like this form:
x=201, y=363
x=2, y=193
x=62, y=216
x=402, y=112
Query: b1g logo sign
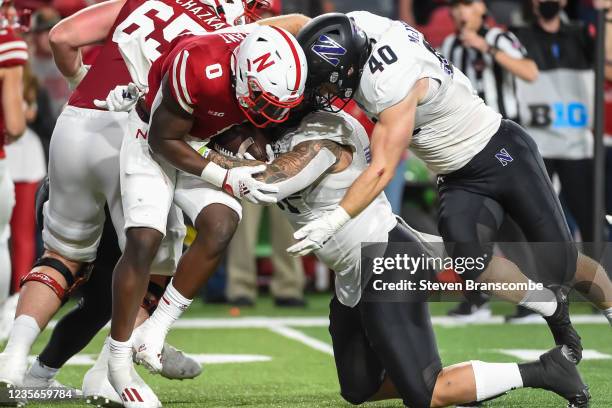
x=559, y=115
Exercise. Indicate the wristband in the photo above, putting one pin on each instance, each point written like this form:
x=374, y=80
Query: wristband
x=214, y=174
x=204, y=151
x=76, y=79
x=339, y=217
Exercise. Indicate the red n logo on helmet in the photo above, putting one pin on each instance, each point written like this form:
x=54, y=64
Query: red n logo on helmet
x=263, y=62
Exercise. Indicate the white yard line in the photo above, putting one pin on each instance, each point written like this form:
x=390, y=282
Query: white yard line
x=268, y=322
x=305, y=339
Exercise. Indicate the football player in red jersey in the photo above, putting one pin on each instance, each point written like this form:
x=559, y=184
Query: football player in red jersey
x=13, y=56
x=84, y=154
x=202, y=86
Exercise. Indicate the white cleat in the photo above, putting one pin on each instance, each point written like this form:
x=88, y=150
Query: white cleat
x=148, y=344
x=12, y=370
x=97, y=389
x=29, y=381
x=176, y=365
x=134, y=392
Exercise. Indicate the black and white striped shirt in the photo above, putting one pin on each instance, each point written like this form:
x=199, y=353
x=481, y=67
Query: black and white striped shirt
x=495, y=85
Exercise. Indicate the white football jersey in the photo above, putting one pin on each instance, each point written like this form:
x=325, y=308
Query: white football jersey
x=452, y=124
x=342, y=253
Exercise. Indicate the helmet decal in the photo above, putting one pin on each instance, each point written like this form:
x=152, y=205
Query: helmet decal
x=329, y=50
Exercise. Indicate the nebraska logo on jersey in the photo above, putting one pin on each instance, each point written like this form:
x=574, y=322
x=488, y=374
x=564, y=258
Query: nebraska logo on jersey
x=263, y=62
x=329, y=50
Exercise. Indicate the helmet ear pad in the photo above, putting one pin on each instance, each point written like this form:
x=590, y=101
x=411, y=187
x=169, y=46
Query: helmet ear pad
x=336, y=50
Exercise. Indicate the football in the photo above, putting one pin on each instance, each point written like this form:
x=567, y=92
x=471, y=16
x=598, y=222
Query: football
x=241, y=139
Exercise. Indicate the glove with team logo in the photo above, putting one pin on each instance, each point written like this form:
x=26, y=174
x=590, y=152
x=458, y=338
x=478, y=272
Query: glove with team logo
x=240, y=183
x=315, y=234
x=121, y=99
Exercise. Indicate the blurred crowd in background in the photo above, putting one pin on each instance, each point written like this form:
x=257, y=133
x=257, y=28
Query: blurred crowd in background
x=513, y=51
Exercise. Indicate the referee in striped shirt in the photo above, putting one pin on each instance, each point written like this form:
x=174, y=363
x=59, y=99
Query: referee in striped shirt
x=492, y=58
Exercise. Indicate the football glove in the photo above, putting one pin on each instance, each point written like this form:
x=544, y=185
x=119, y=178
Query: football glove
x=121, y=99
x=240, y=183
x=315, y=234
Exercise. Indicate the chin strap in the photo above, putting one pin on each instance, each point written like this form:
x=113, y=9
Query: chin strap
x=71, y=282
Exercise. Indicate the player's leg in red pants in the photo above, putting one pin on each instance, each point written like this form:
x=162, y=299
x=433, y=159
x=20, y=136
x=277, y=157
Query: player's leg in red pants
x=23, y=231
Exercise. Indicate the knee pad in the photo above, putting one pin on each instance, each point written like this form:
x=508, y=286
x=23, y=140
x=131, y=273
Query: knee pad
x=151, y=299
x=71, y=282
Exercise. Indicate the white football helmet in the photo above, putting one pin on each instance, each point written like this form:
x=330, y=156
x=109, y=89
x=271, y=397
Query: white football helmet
x=270, y=71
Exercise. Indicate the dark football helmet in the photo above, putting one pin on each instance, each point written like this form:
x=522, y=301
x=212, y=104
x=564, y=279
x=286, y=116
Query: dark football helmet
x=336, y=51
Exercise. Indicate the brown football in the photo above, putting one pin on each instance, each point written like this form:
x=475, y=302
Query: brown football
x=240, y=139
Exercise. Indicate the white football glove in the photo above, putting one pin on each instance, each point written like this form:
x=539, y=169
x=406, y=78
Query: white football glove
x=315, y=234
x=121, y=99
x=240, y=183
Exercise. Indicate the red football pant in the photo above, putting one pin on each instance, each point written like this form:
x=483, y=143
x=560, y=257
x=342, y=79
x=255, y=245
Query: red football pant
x=23, y=232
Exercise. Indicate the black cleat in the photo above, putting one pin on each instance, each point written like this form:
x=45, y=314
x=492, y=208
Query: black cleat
x=561, y=327
x=561, y=376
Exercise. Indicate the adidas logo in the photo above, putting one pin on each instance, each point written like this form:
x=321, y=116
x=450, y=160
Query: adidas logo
x=131, y=394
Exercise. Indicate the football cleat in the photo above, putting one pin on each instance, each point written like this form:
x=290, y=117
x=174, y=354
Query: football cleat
x=148, y=344
x=29, y=381
x=97, y=389
x=12, y=370
x=132, y=389
x=561, y=327
x=176, y=365
x=562, y=377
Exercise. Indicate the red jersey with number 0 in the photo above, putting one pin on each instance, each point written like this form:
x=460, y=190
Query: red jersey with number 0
x=13, y=52
x=160, y=22
x=200, y=78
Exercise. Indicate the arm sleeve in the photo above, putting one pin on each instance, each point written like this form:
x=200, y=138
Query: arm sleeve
x=13, y=51
x=317, y=167
x=183, y=80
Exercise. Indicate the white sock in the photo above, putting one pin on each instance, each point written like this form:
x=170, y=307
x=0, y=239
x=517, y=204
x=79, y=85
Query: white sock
x=608, y=314
x=39, y=370
x=542, y=301
x=24, y=333
x=493, y=379
x=120, y=354
x=102, y=360
x=171, y=305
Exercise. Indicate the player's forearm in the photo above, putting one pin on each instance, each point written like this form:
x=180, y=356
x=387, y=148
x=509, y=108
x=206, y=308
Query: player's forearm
x=179, y=154
x=13, y=103
x=365, y=189
x=524, y=68
x=290, y=22
x=230, y=162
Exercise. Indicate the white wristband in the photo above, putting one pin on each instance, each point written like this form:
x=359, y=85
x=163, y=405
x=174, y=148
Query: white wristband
x=76, y=79
x=214, y=174
x=339, y=217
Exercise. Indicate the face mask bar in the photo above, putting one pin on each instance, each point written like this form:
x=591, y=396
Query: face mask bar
x=253, y=8
x=262, y=108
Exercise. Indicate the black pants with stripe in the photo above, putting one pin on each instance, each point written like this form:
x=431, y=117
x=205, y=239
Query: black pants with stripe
x=374, y=339
x=508, y=177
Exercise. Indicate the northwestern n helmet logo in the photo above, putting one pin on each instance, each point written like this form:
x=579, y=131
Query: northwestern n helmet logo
x=329, y=50
x=504, y=157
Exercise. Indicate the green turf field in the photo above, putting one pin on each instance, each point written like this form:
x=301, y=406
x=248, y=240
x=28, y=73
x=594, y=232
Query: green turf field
x=299, y=371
